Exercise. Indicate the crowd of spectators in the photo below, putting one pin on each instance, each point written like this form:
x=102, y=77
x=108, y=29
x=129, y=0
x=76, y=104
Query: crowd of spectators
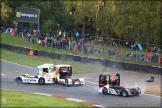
x=75, y=42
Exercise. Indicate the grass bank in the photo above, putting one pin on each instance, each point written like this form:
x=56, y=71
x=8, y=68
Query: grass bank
x=17, y=99
x=34, y=61
x=8, y=39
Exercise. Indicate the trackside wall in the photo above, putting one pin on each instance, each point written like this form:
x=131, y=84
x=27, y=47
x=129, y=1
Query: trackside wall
x=81, y=59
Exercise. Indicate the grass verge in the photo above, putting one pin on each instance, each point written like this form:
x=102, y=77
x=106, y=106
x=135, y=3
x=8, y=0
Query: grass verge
x=23, y=99
x=34, y=61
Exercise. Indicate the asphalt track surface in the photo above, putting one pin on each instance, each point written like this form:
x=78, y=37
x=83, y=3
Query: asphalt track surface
x=87, y=92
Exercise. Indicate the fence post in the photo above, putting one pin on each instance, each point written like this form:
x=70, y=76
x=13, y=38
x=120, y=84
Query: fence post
x=136, y=54
x=121, y=52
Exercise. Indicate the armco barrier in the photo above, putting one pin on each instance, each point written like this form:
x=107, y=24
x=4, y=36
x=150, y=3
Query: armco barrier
x=69, y=57
x=76, y=58
x=17, y=49
x=63, y=57
x=101, y=62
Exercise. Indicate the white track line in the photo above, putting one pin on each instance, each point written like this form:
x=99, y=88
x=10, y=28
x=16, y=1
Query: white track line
x=91, y=82
x=3, y=74
x=18, y=64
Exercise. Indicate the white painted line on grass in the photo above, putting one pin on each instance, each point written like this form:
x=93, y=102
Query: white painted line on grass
x=73, y=99
x=42, y=94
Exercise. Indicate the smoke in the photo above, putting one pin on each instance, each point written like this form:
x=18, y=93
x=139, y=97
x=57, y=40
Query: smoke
x=94, y=90
x=141, y=84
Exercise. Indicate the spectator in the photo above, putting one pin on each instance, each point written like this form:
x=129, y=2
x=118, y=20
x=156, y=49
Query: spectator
x=38, y=32
x=50, y=33
x=64, y=33
x=152, y=49
x=70, y=35
x=34, y=32
x=83, y=37
x=58, y=44
x=77, y=36
x=45, y=40
x=101, y=40
x=64, y=42
x=28, y=37
x=59, y=33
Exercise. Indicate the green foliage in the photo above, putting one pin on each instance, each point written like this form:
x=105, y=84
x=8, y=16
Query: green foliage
x=5, y=12
x=133, y=20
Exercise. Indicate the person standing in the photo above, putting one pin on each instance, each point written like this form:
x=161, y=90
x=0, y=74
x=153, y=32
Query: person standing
x=77, y=36
x=50, y=33
x=70, y=35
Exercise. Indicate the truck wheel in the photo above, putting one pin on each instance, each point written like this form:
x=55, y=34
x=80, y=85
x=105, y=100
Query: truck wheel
x=19, y=80
x=66, y=83
x=81, y=83
x=41, y=81
x=55, y=81
x=104, y=91
x=124, y=93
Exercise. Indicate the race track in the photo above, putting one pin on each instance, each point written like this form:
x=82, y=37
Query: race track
x=87, y=92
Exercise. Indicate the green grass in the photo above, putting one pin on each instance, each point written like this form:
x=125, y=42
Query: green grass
x=8, y=39
x=34, y=61
x=23, y=99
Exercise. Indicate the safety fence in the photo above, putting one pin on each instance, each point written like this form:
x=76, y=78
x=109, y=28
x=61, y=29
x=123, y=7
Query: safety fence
x=84, y=59
x=106, y=50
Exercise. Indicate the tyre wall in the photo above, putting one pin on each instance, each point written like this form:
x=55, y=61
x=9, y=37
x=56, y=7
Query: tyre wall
x=93, y=61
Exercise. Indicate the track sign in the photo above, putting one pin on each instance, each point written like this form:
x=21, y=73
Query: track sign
x=30, y=15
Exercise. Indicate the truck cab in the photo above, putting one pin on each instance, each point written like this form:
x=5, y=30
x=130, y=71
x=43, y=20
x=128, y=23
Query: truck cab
x=61, y=72
x=45, y=70
x=45, y=73
x=63, y=75
x=110, y=79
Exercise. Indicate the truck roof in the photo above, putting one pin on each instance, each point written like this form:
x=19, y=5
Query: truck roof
x=46, y=65
x=108, y=73
x=62, y=65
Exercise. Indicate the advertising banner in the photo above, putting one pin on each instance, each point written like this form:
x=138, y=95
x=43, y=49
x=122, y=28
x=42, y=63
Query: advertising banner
x=30, y=15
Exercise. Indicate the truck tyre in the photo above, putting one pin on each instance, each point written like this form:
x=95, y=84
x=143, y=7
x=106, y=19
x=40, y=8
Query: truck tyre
x=19, y=80
x=124, y=93
x=81, y=83
x=66, y=82
x=104, y=91
x=55, y=81
x=41, y=81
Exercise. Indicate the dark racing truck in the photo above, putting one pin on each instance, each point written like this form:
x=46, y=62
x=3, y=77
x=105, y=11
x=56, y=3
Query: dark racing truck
x=109, y=83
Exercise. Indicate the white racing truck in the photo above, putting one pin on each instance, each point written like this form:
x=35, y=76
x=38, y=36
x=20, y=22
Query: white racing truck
x=49, y=74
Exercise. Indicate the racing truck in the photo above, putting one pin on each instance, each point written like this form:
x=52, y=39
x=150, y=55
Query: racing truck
x=46, y=74
x=63, y=75
x=109, y=83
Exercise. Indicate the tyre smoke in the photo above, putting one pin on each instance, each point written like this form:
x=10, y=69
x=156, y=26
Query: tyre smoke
x=141, y=85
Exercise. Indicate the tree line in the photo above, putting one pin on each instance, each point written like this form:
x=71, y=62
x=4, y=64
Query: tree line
x=138, y=20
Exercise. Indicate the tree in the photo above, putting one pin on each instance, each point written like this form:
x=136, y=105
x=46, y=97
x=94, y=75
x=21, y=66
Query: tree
x=5, y=12
x=136, y=19
x=106, y=18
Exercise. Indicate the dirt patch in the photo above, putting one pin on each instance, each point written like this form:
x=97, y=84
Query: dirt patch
x=153, y=91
